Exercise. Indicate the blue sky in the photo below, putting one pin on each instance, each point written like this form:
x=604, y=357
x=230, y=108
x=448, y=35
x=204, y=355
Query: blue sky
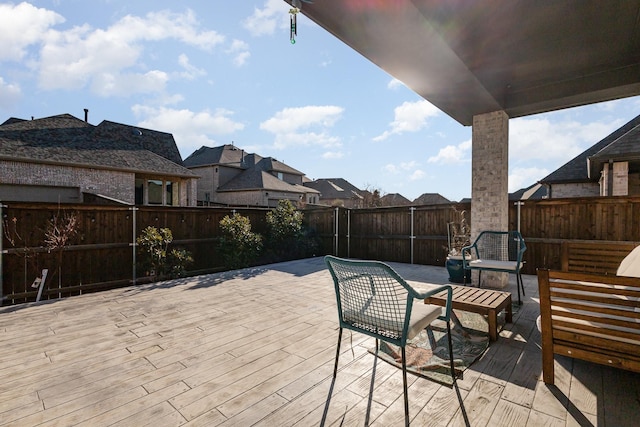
x=214, y=72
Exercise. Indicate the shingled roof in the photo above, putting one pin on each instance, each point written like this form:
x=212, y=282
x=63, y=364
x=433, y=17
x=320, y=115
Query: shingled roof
x=227, y=155
x=624, y=148
x=65, y=139
x=576, y=169
x=394, y=199
x=335, y=188
x=431, y=199
x=256, y=179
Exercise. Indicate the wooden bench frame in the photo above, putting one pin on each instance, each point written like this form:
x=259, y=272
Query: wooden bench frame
x=500, y=251
x=590, y=317
x=593, y=256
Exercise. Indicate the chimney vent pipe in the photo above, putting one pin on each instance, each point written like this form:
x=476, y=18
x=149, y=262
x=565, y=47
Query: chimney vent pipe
x=86, y=115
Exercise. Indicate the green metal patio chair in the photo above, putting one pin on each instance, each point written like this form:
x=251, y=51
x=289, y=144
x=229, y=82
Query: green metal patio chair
x=496, y=251
x=373, y=299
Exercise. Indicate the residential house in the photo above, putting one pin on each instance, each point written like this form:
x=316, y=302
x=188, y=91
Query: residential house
x=609, y=167
x=337, y=192
x=431, y=199
x=65, y=159
x=231, y=176
x=394, y=199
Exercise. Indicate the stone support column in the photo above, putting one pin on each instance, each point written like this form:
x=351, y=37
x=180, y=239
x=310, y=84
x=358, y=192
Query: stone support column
x=489, y=177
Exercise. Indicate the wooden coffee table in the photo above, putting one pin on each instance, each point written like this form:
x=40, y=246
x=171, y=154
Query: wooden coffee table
x=486, y=302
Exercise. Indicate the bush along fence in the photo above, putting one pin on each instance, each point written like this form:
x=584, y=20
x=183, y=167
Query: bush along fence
x=91, y=247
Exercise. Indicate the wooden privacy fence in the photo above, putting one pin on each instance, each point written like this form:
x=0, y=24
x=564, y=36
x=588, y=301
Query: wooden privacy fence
x=101, y=255
x=556, y=232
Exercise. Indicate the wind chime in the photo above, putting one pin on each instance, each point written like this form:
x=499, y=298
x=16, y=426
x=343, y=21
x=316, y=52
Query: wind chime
x=294, y=21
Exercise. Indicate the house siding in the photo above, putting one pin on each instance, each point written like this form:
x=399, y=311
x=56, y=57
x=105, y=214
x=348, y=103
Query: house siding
x=242, y=198
x=206, y=183
x=582, y=189
x=116, y=184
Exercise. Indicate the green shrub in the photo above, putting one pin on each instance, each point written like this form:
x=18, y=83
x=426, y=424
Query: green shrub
x=287, y=237
x=156, y=259
x=238, y=246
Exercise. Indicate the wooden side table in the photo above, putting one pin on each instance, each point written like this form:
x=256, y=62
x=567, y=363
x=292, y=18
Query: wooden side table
x=486, y=302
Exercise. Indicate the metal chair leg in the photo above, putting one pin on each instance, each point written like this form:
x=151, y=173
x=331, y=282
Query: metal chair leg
x=335, y=367
x=519, y=285
x=453, y=370
x=404, y=382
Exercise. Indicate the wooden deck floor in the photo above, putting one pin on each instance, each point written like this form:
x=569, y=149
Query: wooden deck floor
x=256, y=347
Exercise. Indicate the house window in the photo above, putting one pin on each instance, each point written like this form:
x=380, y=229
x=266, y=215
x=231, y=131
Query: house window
x=169, y=193
x=139, y=191
x=157, y=192
x=154, y=192
x=280, y=176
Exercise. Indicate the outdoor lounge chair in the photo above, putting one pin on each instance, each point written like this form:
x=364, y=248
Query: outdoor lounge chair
x=373, y=299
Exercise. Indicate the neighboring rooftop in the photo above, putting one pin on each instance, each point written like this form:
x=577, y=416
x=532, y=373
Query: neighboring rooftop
x=394, y=199
x=257, y=179
x=431, y=199
x=335, y=188
x=65, y=139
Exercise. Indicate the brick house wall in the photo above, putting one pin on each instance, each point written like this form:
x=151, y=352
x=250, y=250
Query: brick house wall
x=119, y=185
x=583, y=189
x=116, y=184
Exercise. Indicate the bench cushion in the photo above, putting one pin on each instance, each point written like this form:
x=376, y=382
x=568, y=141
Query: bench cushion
x=490, y=264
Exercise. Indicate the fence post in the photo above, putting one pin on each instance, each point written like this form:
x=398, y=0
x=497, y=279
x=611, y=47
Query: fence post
x=412, y=238
x=134, y=244
x=335, y=236
x=519, y=203
x=348, y=233
x=1, y=252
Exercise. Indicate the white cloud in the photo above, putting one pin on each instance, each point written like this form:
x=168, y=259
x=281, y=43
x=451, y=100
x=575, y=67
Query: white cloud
x=304, y=126
x=9, y=94
x=524, y=177
x=394, y=84
x=403, y=166
x=452, y=154
x=240, y=51
x=409, y=117
x=329, y=155
x=84, y=56
x=417, y=175
x=542, y=139
x=265, y=21
x=190, y=71
x=21, y=26
x=190, y=129
x=107, y=84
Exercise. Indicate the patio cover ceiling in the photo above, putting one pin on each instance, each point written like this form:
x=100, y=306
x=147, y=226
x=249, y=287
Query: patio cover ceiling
x=470, y=57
